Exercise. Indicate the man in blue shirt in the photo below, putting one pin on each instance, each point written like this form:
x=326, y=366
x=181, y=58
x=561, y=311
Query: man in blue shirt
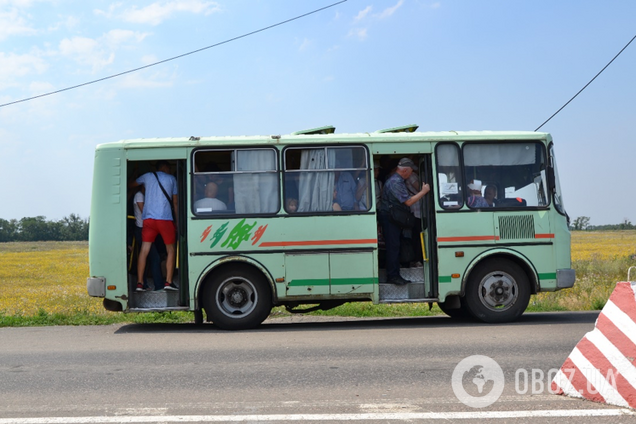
x=395, y=191
x=345, y=191
x=158, y=219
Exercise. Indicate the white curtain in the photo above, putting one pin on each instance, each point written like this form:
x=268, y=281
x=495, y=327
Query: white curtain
x=499, y=154
x=315, y=191
x=256, y=192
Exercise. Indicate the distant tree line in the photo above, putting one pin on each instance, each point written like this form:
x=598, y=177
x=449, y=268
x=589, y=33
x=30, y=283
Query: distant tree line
x=70, y=228
x=582, y=223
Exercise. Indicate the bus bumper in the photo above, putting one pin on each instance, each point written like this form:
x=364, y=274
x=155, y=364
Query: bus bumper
x=565, y=278
x=96, y=286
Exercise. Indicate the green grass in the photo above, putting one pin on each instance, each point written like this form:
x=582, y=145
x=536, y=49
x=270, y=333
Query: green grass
x=38, y=306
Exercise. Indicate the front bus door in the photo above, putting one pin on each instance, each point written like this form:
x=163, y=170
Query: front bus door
x=427, y=206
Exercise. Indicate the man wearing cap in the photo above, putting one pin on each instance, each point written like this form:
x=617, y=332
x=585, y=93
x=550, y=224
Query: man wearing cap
x=475, y=199
x=395, y=189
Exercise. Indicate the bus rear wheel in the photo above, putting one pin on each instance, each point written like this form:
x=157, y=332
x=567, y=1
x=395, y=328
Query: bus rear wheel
x=497, y=291
x=237, y=299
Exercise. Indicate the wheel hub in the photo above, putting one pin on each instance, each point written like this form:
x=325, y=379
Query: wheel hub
x=498, y=291
x=237, y=297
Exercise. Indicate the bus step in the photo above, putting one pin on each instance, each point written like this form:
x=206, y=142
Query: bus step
x=155, y=299
x=424, y=300
x=415, y=275
x=161, y=309
x=413, y=290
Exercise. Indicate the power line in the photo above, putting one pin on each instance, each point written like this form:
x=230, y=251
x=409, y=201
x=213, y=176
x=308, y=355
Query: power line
x=568, y=102
x=175, y=57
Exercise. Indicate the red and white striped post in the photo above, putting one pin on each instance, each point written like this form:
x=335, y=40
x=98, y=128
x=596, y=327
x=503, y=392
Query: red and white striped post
x=602, y=366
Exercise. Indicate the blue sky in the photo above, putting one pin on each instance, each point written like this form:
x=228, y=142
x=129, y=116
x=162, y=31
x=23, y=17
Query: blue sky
x=360, y=66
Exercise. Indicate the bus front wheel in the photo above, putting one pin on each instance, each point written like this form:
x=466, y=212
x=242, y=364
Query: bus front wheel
x=497, y=291
x=237, y=299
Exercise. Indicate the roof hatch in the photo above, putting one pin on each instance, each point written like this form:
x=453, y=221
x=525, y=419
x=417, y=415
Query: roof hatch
x=405, y=128
x=329, y=129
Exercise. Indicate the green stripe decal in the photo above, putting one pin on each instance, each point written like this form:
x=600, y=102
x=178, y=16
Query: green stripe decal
x=548, y=276
x=334, y=282
x=353, y=281
x=445, y=279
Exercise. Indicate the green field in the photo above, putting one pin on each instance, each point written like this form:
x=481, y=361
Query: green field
x=45, y=284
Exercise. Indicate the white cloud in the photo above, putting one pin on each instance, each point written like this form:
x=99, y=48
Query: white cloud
x=143, y=80
x=86, y=51
x=13, y=65
x=18, y=3
x=12, y=23
x=39, y=87
x=68, y=23
x=362, y=14
x=360, y=33
x=148, y=59
x=116, y=37
x=100, y=52
x=304, y=45
x=390, y=10
x=157, y=12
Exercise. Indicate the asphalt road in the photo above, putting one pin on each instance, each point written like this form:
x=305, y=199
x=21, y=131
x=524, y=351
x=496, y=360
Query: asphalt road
x=298, y=369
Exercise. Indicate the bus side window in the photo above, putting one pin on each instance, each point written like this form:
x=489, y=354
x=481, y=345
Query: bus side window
x=242, y=181
x=327, y=179
x=449, y=176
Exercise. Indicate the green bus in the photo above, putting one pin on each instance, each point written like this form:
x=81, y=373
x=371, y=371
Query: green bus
x=281, y=240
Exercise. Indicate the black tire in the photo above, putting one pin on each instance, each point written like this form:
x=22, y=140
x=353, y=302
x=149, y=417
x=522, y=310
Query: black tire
x=497, y=291
x=237, y=299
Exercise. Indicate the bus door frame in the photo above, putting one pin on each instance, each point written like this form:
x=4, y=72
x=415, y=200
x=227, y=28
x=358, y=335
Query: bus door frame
x=428, y=215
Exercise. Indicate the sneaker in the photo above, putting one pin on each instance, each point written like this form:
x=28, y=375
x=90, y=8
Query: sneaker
x=140, y=287
x=398, y=281
x=170, y=287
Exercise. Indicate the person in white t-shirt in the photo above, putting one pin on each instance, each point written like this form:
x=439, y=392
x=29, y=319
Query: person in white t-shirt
x=210, y=203
x=159, y=215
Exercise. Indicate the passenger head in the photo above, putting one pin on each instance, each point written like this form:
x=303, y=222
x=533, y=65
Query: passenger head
x=291, y=205
x=475, y=187
x=163, y=166
x=490, y=193
x=406, y=167
x=211, y=189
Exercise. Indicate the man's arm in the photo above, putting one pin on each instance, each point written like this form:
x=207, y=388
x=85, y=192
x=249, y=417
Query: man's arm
x=416, y=197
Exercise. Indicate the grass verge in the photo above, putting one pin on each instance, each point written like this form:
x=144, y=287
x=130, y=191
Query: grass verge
x=45, y=284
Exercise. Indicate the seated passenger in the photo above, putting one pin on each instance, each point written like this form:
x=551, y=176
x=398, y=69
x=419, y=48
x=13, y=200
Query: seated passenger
x=475, y=200
x=345, y=192
x=490, y=194
x=291, y=205
x=209, y=203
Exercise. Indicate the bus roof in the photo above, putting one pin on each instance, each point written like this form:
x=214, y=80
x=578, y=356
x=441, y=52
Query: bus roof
x=396, y=135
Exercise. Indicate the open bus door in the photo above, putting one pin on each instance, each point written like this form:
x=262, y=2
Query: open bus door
x=428, y=235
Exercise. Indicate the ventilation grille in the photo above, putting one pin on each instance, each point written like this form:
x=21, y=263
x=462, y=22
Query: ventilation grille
x=516, y=227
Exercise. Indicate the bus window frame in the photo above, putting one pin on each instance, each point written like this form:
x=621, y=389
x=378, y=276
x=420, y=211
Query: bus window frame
x=555, y=184
x=546, y=164
x=233, y=154
x=333, y=145
x=460, y=160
